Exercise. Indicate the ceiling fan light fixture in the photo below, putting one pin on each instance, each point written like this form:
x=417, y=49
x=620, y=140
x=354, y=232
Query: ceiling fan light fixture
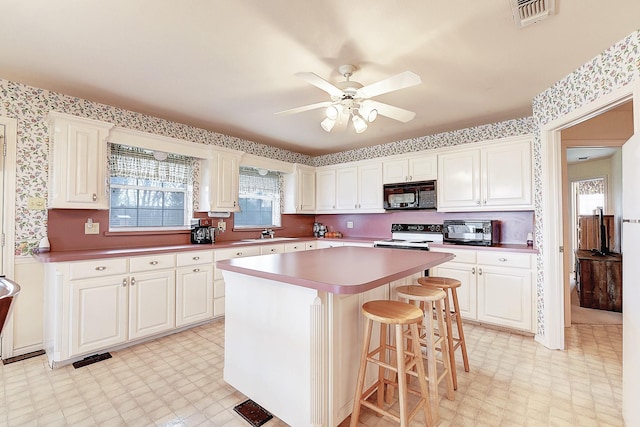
x=327, y=124
x=373, y=114
x=358, y=123
x=332, y=112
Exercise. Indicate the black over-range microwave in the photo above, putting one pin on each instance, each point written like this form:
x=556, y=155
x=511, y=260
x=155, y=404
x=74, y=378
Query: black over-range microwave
x=410, y=195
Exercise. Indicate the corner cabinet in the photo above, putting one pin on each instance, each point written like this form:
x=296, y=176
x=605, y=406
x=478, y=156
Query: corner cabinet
x=495, y=175
x=219, y=177
x=77, y=162
x=300, y=190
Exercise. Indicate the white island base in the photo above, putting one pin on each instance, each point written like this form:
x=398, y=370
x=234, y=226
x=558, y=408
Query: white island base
x=293, y=325
x=294, y=350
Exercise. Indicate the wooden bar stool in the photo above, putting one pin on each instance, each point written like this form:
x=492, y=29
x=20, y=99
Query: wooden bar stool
x=397, y=314
x=449, y=286
x=430, y=299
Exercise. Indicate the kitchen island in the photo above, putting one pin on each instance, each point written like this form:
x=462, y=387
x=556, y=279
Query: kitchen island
x=293, y=326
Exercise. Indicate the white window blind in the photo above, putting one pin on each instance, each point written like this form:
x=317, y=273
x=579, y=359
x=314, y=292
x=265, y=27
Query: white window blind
x=134, y=162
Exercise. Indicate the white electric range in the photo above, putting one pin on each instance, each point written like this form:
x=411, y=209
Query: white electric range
x=412, y=236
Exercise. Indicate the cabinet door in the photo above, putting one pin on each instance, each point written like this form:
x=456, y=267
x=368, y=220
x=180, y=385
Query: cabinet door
x=194, y=294
x=326, y=190
x=347, y=188
x=505, y=296
x=98, y=314
x=394, y=171
x=370, y=186
x=459, y=179
x=151, y=303
x=307, y=190
x=228, y=176
x=78, y=171
x=423, y=168
x=507, y=175
x=466, y=274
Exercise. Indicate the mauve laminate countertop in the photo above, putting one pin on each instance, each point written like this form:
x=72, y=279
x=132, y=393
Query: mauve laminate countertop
x=340, y=270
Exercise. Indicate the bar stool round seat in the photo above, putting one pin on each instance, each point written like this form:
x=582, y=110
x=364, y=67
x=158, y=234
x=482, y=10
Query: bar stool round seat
x=397, y=315
x=450, y=285
x=431, y=300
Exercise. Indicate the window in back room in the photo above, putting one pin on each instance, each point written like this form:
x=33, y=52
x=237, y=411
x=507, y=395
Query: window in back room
x=259, y=198
x=149, y=190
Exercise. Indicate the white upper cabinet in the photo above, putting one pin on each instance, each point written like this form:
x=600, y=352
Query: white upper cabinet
x=355, y=188
x=325, y=190
x=488, y=177
x=77, y=164
x=415, y=168
x=300, y=190
x=219, y=176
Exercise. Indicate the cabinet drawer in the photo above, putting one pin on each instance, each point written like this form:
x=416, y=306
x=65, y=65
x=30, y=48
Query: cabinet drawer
x=97, y=268
x=271, y=249
x=461, y=255
x=308, y=246
x=504, y=259
x=152, y=262
x=295, y=247
x=194, y=258
x=238, y=252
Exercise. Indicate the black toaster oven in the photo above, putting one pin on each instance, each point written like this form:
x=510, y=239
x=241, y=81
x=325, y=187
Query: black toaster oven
x=471, y=232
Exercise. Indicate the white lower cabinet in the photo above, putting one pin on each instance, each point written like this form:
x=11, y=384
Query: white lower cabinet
x=194, y=287
x=496, y=287
x=152, y=298
x=97, y=305
x=97, y=315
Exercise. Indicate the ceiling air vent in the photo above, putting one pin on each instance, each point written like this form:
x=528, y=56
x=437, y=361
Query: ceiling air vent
x=526, y=12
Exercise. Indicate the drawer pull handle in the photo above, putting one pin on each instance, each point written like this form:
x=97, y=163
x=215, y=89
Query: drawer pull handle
x=195, y=258
x=133, y=281
x=195, y=270
x=154, y=263
x=273, y=250
x=479, y=272
x=101, y=268
x=124, y=282
x=473, y=270
x=239, y=253
x=94, y=197
x=502, y=259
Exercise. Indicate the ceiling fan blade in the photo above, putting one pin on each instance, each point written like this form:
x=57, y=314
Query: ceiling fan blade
x=305, y=108
x=397, y=82
x=321, y=83
x=396, y=113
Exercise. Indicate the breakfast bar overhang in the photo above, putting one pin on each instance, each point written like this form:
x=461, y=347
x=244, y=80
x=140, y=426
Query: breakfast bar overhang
x=293, y=325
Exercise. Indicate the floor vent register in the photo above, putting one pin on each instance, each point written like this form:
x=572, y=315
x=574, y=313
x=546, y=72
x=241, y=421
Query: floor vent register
x=253, y=413
x=91, y=359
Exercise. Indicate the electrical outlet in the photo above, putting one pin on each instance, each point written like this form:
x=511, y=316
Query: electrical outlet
x=36, y=203
x=92, y=228
x=222, y=226
x=349, y=224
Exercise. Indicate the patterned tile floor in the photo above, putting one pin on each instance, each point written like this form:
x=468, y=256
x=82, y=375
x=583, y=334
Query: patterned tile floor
x=177, y=381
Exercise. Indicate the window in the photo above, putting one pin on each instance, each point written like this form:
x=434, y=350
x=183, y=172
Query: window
x=149, y=189
x=259, y=198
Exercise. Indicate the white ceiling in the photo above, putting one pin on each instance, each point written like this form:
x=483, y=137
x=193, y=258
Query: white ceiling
x=228, y=66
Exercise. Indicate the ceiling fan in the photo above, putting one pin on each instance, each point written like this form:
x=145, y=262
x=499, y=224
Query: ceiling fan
x=350, y=99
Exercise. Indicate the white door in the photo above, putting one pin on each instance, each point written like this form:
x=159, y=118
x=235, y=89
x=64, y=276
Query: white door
x=630, y=285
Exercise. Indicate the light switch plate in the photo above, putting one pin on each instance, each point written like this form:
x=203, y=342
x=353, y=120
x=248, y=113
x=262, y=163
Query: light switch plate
x=222, y=226
x=349, y=224
x=36, y=203
x=93, y=228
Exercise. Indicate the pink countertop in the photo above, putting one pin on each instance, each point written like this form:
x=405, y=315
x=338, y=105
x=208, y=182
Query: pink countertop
x=65, y=256
x=339, y=270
